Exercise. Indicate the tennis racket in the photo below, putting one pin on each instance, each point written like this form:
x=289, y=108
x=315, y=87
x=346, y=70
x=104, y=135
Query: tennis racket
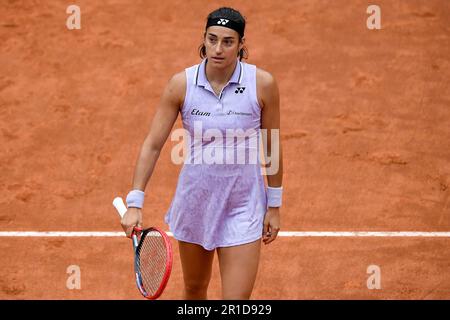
x=152, y=257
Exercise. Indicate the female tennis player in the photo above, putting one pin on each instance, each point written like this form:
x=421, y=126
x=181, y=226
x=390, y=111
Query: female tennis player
x=223, y=207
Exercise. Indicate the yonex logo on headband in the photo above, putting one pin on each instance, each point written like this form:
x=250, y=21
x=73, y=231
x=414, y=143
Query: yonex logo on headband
x=223, y=21
x=227, y=23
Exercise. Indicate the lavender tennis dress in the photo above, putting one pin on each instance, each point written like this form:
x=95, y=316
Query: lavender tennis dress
x=220, y=199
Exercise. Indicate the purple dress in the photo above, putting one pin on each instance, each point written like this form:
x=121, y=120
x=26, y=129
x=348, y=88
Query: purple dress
x=220, y=199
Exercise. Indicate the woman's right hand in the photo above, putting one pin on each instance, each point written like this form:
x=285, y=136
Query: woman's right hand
x=131, y=219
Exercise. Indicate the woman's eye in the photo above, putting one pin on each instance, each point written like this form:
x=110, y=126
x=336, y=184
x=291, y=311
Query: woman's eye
x=226, y=42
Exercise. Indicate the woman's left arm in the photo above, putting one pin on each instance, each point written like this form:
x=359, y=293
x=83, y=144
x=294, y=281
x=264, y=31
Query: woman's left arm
x=269, y=100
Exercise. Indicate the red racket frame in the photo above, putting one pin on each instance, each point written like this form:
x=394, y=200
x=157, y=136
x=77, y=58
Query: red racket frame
x=169, y=254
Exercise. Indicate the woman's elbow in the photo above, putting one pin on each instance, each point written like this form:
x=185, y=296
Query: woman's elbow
x=151, y=146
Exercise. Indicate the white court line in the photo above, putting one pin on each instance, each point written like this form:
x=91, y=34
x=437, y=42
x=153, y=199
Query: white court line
x=281, y=234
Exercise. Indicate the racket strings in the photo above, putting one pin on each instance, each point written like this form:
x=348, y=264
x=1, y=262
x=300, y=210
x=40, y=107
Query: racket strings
x=152, y=261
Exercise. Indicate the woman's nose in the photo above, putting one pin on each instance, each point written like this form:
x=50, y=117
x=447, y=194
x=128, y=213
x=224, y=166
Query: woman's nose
x=219, y=47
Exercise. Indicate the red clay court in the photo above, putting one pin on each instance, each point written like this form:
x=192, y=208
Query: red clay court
x=365, y=118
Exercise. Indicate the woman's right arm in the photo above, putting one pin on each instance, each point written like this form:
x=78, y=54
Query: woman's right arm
x=162, y=123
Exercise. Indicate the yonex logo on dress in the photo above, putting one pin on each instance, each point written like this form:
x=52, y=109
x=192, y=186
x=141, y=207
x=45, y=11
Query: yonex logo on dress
x=223, y=21
x=239, y=90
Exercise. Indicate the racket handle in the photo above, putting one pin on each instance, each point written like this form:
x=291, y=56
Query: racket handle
x=120, y=206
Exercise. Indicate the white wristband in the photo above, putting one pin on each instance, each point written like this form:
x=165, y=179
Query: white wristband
x=135, y=199
x=274, y=196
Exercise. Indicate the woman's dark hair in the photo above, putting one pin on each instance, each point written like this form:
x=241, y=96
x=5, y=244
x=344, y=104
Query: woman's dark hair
x=230, y=14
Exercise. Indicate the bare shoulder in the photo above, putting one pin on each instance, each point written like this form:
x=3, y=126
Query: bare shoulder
x=176, y=88
x=264, y=78
x=267, y=87
x=179, y=78
x=178, y=81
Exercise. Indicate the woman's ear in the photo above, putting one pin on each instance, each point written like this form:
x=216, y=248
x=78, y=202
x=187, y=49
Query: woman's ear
x=241, y=43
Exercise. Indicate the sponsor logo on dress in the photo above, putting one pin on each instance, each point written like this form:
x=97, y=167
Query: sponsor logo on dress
x=196, y=112
x=239, y=90
x=232, y=112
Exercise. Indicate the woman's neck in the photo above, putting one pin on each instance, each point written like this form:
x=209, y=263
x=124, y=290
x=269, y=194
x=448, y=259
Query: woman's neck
x=219, y=75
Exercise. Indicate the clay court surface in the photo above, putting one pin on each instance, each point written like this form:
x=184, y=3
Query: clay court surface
x=365, y=130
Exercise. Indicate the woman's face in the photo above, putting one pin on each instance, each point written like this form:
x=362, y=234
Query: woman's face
x=222, y=46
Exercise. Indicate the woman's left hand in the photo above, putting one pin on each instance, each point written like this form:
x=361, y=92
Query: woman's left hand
x=271, y=225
